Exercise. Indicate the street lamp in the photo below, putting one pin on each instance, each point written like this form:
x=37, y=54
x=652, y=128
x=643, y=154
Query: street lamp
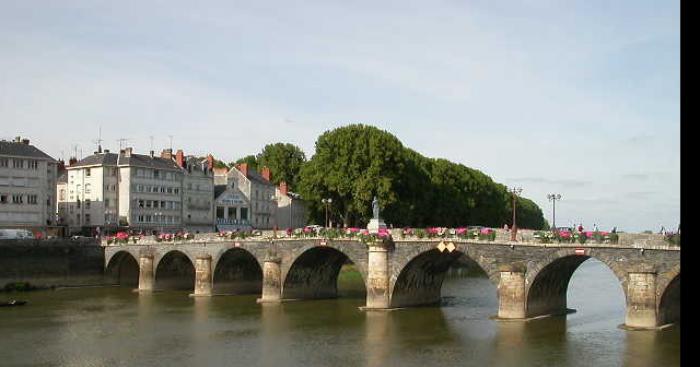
x=515, y=191
x=327, y=202
x=553, y=198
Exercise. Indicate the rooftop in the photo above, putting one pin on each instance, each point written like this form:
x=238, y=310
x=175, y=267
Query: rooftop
x=22, y=148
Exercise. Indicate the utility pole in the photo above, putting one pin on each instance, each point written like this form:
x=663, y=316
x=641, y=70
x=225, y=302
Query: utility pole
x=553, y=198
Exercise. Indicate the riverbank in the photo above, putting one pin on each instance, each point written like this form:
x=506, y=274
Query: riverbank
x=45, y=264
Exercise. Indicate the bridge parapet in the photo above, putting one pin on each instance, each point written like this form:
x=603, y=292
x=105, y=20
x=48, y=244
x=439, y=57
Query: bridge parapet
x=626, y=240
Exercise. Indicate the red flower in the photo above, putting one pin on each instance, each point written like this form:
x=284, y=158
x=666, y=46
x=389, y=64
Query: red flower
x=460, y=231
x=565, y=234
x=486, y=231
x=122, y=235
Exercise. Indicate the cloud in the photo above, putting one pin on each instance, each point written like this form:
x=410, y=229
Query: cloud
x=564, y=182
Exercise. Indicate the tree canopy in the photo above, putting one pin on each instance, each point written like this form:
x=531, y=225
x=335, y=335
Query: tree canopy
x=354, y=163
x=284, y=160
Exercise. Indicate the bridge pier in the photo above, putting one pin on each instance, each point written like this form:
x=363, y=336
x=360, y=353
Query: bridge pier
x=641, y=298
x=146, y=276
x=377, y=277
x=203, y=276
x=272, y=281
x=512, y=298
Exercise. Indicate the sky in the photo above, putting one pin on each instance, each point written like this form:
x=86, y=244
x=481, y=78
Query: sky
x=579, y=98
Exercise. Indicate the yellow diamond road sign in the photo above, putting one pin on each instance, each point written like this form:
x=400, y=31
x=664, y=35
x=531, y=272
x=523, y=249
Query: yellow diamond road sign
x=441, y=246
x=451, y=247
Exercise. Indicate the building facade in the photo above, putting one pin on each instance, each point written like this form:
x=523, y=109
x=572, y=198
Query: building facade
x=142, y=192
x=291, y=209
x=258, y=191
x=27, y=186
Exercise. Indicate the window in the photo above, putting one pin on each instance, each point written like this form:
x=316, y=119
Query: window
x=106, y=203
x=87, y=172
x=155, y=204
x=3, y=162
x=176, y=191
x=31, y=199
x=17, y=199
x=87, y=218
x=17, y=163
x=88, y=187
x=141, y=203
x=77, y=203
x=87, y=203
x=70, y=208
x=3, y=199
x=33, y=164
x=156, y=173
x=77, y=218
x=149, y=203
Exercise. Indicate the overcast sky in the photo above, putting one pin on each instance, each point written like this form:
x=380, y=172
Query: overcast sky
x=579, y=98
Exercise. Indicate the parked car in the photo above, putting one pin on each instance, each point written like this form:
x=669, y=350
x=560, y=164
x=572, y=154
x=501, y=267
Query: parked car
x=14, y=234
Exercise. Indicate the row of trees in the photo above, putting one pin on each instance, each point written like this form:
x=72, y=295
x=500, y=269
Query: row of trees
x=354, y=163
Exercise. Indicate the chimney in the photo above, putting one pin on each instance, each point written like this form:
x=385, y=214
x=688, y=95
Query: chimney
x=72, y=161
x=106, y=151
x=127, y=151
x=167, y=153
x=283, y=188
x=243, y=167
x=180, y=158
x=266, y=173
x=61, y=165
x=18, y=139
x=210, y=162
x=152, y=154
x=25, y=141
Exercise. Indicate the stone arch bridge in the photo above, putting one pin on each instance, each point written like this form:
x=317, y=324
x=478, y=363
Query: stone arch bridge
x=531, y=278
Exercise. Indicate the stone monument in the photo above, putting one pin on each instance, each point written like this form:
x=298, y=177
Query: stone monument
x=376, y=223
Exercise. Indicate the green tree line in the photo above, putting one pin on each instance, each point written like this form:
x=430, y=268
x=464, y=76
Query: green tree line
x=352, y=164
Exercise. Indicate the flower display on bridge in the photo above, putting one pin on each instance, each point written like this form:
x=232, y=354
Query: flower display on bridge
x=122, y=238
x=575, y=237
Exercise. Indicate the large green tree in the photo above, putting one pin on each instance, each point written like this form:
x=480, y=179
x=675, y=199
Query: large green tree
x=284, y=160
x=251, y=160
x=353, y=163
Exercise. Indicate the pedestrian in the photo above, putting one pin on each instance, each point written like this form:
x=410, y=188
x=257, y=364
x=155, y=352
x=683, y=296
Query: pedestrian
x=595, y=227
x=614, y=230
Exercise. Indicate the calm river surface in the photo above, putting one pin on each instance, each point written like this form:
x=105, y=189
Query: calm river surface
x=112, y=326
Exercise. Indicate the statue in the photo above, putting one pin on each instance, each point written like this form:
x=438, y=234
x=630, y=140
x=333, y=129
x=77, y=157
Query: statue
x=375, y=208
x=376, y=223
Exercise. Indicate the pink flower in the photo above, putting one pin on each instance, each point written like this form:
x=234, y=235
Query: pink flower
x=604, y=233
x=383, y=233
x=486, y=231
x=307, y=229
x=589, y=233
x=353, y=230
x=460, y=231
x=365, y=232
x=565, y=234
x=433, y=230
x=122, y=235
x=289, y=231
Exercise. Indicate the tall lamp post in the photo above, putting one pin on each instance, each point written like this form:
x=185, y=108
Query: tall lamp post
x=327, y=202
x=515, y=191
x=553, y=198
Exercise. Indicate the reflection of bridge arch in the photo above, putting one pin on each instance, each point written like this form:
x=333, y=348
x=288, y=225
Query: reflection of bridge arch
x=548, y=280
x=313, y=271
x=418, y=276
x=236, y=271
x=174, y=271
x=123, y=268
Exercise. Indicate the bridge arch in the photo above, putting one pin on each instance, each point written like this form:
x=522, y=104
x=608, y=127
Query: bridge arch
x=547, y=281
x=669, y=296
x=123, y=268
x=313, y=270
x=418, y=275
x=236, y=271
x=174, y=270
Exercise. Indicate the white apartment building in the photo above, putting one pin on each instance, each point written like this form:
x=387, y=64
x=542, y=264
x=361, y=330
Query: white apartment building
x=27, y=186
x=291, y=210
x=258, y=191
x=137, y=191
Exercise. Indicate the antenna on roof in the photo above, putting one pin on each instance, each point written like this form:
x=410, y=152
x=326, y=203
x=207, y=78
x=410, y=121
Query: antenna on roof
x=171, y=142
x=99, y=140
x=121, y=142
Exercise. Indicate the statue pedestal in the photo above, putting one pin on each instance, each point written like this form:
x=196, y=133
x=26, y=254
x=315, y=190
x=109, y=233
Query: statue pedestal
x=375, y=225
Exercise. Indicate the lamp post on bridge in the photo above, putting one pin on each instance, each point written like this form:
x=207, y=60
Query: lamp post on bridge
x=327, y=202
x=515, y=191
x=553, y=198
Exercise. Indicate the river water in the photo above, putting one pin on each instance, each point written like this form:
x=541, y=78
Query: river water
x=113, y=326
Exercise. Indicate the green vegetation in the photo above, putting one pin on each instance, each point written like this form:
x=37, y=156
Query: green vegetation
x=19, y=287
x=354, y=163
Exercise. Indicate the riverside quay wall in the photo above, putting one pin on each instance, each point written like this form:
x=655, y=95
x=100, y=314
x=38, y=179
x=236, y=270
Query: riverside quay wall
x=55, y=262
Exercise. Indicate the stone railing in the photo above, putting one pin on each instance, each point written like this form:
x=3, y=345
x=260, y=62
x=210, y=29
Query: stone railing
x=524, y=238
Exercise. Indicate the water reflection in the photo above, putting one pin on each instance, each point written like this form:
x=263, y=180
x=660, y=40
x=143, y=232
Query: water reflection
x=377, y=335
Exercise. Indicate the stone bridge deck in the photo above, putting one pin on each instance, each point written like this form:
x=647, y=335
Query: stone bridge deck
x=532, y=278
